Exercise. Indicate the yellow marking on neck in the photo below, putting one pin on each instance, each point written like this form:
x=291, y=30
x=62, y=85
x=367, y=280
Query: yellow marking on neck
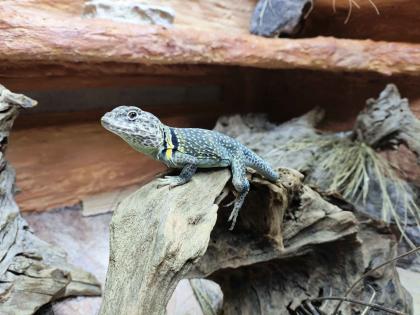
x=169, y=146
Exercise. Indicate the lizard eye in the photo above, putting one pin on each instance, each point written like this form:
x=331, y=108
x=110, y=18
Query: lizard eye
x=132, y=115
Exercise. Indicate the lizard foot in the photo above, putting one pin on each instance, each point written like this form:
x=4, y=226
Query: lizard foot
x=171, y=181
x=233, y=216
x=233, y=201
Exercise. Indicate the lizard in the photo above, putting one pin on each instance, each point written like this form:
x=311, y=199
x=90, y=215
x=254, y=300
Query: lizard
x=187, y=149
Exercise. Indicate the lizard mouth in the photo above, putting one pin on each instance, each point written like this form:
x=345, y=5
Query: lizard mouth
x=118, y=130
x=106, y=124
x=111, y=127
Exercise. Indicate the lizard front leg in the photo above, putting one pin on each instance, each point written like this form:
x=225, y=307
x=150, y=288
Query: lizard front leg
x=188, y=170
x=241, y=184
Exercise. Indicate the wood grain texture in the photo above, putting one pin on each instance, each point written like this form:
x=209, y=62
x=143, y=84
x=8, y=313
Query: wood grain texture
x=292, y=93
x=35, y=37
x=32, y=272
x=170, y=219
x=397, y=21
x=81, y=159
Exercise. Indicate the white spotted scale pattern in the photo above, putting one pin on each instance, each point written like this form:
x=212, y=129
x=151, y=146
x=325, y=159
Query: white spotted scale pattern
x=187, y=148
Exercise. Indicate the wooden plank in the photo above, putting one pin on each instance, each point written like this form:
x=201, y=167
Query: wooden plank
x=194, y=112
x=94, y=81
x=58, y=166
x=39, y=38
x=291, y=93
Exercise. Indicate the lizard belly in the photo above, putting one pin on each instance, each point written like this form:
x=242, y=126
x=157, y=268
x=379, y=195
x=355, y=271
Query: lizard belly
x=209, y=163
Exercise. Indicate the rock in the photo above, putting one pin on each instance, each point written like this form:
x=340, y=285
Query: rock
x=273, y=18
x=128, y=11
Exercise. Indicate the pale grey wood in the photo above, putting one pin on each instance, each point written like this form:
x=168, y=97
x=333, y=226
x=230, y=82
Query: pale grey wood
x=155, y=237
x=289, y=244
x=389, y=118
x=32, y=272
x=129, y=12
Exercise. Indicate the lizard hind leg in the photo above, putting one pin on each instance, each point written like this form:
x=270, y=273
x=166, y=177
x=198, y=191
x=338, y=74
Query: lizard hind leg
x=241, y=184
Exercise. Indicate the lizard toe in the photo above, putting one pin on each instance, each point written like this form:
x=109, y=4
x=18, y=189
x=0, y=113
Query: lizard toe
x=171, y=181
x=229, y=204
x=232, y=218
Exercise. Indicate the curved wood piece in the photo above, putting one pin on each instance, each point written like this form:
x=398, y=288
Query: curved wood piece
x=32, y=272
x=389, y=118
x=156, y=235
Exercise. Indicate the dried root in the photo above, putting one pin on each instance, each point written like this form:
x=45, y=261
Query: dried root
x=350, y=10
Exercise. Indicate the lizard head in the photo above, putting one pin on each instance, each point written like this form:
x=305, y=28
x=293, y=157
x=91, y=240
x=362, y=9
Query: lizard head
x=140, y=129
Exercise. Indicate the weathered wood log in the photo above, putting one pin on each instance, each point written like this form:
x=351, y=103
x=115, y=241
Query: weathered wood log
x=37, y=38
x=286, y=284
x=289, y=245
x=213, y=16
x=155, y=245
x=387, y=119
x=32, y=272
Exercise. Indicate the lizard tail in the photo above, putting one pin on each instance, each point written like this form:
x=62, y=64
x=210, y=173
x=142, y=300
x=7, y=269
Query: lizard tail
x=252, y=160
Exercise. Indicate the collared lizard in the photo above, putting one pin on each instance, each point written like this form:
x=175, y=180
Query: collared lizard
x=188, y=149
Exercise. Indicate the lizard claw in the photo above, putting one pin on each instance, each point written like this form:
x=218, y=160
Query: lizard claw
x=229, y=204
x=233, y=201
x=232, y=218
x=235, y=212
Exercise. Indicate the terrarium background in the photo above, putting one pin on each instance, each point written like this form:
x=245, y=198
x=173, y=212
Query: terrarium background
x=205, y=66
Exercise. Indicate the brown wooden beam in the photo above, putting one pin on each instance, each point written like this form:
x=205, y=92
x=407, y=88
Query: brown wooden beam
x=42, y=38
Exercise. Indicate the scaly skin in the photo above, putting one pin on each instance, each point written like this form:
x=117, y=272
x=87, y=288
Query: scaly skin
x=188, y=149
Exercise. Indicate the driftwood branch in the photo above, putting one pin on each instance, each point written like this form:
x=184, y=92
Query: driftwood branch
x=289, y=244
x=156, y=235
x=32, y=272
x=389, y=118
x=374, y=306
x=370, y=272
